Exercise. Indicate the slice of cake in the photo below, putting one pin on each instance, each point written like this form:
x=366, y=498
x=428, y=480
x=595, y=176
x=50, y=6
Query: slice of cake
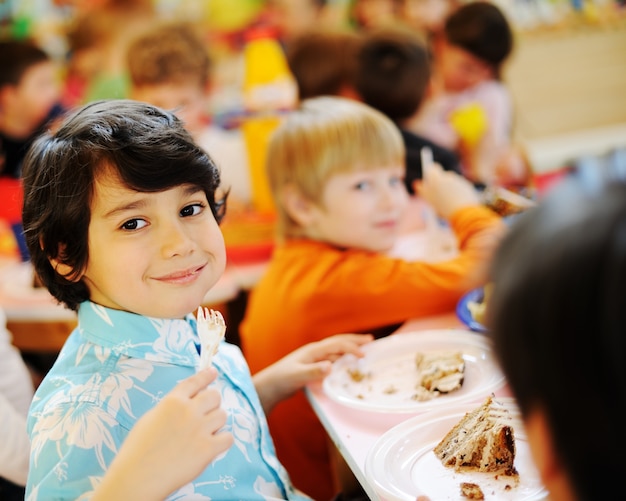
x=482, y=441
x=441, y=371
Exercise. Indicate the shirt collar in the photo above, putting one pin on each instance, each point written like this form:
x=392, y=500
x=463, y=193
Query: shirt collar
x=156, y=339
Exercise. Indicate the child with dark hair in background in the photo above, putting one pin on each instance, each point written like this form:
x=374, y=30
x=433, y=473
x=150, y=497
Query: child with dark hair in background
x=469, y=109
x=557, y=317
x=393, y=74
x=336, y=169
x=121, y=218
x=170, y=67
x=29, y=101
x=324, y=61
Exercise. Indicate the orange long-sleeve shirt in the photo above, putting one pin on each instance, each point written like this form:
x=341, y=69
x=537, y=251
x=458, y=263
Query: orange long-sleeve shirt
x=312, y=290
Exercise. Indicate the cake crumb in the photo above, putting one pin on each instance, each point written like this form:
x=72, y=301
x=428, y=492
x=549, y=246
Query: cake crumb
x=471, y=491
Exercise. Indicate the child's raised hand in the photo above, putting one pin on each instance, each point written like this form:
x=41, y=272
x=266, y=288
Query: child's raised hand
x=446, y=191
x=305, y=365
x=171, y=444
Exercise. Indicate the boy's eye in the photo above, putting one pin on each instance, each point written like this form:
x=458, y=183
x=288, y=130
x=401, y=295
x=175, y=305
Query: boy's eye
x=133, y=224
x=363, y=185
x=396, y=180
x=191, y=210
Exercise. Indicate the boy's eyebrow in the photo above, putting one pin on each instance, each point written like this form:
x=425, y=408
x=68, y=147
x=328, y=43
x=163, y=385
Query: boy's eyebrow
x=143, y=202
x=133, y=205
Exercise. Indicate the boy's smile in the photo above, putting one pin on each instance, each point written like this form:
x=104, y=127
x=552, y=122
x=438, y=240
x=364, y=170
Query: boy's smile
x=155, y=254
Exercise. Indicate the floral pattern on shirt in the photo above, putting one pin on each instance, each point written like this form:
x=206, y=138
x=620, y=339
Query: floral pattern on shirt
x=116, y=366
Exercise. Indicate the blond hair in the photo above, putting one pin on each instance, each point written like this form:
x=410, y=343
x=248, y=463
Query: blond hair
x=325, y=136
x=170, y=53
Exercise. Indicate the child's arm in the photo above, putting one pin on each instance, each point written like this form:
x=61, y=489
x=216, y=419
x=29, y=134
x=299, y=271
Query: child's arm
x=308, y=363
x=446, y=191
x=170, y=445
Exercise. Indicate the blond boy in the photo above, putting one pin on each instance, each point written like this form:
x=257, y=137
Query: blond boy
x=336, y=169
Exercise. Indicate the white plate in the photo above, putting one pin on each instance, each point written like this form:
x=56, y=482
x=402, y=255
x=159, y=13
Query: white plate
x=402, y=464
x=390, y=363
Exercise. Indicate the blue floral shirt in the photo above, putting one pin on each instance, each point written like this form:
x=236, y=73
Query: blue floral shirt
x=116, y=366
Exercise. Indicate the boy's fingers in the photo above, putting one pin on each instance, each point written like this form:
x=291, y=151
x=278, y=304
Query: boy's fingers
x=192, y=385
x=338, y=345
x=317, y=370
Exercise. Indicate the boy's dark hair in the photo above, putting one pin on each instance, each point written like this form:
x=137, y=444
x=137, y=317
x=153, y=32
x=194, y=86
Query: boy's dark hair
x=393, y=72
x=481, y=29
x=558, y=317
x=16, y=57
x=323, y=62
x=148, y=147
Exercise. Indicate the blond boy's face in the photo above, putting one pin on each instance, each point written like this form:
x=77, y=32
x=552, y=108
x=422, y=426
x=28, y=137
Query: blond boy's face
x=360, y=210
x=154, y=254
x=187, y=100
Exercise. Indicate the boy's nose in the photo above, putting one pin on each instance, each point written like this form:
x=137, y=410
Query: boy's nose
x=175, y=240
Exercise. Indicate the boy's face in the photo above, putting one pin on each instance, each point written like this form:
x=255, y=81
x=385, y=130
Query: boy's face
x=460, y=69
x=32, y=99
x=155, y=254
x=187, y=100
x=361, y=210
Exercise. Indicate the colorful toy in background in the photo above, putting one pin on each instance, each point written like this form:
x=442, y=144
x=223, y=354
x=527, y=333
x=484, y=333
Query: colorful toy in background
x=268, y=89
x=470, y=122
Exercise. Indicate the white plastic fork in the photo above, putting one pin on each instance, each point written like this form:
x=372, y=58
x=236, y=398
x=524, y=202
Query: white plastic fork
x=211, y=331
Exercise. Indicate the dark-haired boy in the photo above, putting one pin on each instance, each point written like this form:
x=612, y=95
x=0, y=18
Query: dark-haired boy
x=393, y=76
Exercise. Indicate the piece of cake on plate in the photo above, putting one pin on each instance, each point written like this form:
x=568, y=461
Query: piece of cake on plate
x=483, y=440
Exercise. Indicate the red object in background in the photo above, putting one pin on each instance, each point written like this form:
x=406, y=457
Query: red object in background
x=249, y=254
x=544, y=182
x=11, y=198
x=249, y=236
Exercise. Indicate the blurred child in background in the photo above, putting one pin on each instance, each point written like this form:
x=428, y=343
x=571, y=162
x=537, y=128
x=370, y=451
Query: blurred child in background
x=393, y=76
x=469, y=109
x=30, y=93
x=323, y=62
x=98, y=39
x=170, y=67
x=29, y=100
x=336, y=169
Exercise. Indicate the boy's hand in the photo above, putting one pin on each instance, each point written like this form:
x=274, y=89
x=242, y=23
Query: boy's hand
x=308, y=363
x=446, y=191
x=171, y=444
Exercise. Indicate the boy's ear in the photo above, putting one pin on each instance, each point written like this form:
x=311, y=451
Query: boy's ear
x=541, y=441
x=300, y=208
x=64, y=269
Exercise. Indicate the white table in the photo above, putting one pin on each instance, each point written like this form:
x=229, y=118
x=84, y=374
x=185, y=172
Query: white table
x=355, y=431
